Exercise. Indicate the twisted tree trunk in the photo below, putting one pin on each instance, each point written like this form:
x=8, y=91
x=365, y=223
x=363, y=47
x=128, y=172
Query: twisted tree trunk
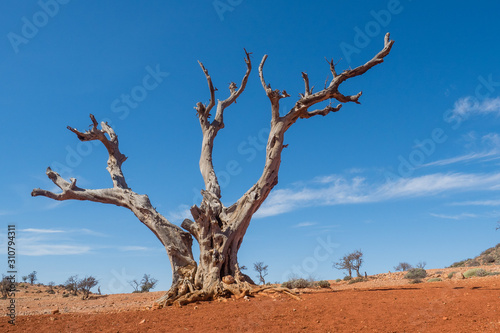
x=219, y=230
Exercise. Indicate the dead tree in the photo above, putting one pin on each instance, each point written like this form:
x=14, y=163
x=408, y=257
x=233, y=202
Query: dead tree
x=261, y=269
x=218, y=229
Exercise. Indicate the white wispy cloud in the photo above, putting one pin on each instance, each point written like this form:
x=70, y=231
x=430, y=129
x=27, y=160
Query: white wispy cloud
x=477, y=203
x=182, y=212
x=339, y=190
x=30, y=249
x=132, y=248
x=455, y=217
x=482, y=156
x=467, y=106
x=41, y=231
x=304, y=224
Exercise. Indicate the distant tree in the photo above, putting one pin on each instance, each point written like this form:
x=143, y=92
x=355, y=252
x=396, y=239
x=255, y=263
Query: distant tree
x=356, y=259
x=148, y=283
x=86, y=284
x=261, y=269
x=350, y=262
x=403, y=266
x=135, y=284
x=32, y=277
x=243, y=268
x=71, y=284
x=343, y=264
x=25, y=278
x=145, y=285
x=421, y=264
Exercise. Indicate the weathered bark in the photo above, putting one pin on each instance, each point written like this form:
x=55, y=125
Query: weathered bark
x=218, y=229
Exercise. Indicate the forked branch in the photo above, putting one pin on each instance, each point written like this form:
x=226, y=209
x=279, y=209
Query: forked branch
x=116, y=158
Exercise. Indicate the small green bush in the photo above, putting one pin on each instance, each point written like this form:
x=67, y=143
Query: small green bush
x=416, y=273
x=450, y=275
x=494, y=273
x=323, y=284
x=347, y=278
x=475, y=272
x=338, y=280
x=415, y=281
x=434, y=280
x=356, y=280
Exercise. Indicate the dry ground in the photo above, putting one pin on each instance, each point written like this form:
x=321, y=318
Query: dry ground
x=387, y=303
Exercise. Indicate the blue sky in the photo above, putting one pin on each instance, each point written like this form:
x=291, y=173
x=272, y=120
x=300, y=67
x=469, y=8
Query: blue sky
x=411, y=174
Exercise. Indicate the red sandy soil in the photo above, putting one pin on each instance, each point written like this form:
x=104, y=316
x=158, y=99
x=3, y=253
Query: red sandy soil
x=386, y=303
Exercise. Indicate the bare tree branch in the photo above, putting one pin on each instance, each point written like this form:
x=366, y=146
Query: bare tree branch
x=256, y=195
x=116, y=158
x=210, y=129
x=204, y=111
x=332, y=67
x=232, y=86
x=273, y=95
x=177, y=242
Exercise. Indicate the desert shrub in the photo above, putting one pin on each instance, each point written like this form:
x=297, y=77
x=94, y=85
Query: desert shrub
x=438, y=272
x=458, y=264
x=86, y=284
x=338, y=280
x=347, y=278
x=416, y=273
x=488, y=251
x=65, y=295
x=494, y=273
x=323, y=284
x=302, y=283
x=473, y=263
x=488, y=259
x=434, y=280
x=450, y=275
x=415, y=281
x=145, y=285
x=356, y=280
x=5, y=286
x=475, y=272
x=297, y=283
x=71, y=284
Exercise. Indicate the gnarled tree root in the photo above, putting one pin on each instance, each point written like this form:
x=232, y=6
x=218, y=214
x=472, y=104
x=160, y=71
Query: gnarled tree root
x=182, y=296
